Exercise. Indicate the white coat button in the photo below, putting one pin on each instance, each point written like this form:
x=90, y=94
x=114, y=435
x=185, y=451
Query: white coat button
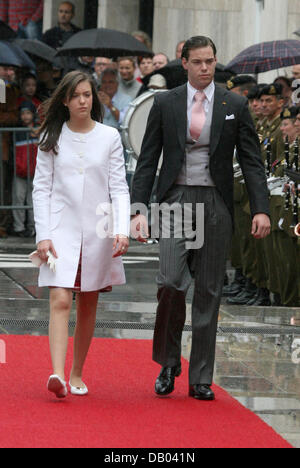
x=81, y=170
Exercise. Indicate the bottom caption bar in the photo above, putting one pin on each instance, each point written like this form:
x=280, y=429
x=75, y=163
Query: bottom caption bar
x=135, y=457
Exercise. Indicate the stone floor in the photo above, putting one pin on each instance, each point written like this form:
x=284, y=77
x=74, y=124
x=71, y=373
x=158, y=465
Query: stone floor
x=258, y=348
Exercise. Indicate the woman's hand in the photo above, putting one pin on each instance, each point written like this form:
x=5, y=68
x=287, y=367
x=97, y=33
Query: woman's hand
x=120, y=246
x=43, y=247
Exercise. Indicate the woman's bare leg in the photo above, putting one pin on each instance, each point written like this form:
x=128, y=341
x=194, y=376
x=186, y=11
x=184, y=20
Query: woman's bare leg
x=85, y=326
x=60, y=307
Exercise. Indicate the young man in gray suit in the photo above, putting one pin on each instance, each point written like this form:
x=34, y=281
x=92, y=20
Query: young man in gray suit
x=197, y=126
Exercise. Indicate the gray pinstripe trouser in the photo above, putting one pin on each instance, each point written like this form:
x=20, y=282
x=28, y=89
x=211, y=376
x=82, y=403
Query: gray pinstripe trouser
x=178, y=266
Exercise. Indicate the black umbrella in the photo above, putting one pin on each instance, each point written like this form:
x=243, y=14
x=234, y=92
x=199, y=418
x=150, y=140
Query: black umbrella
x=11, y=54
x=37, y=48
x=6, y=32
x=103, y=43
x=266, y=56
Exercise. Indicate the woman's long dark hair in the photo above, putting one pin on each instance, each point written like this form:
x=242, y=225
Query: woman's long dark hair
x=56, y=113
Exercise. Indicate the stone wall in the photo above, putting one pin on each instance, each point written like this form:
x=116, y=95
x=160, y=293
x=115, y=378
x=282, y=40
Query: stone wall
x=232, y=24
x=122, y=15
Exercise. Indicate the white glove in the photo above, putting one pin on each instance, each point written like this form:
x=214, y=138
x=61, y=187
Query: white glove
x=51, y=261
x=35, y=259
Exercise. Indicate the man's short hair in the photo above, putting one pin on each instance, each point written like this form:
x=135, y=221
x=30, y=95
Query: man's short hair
x=287, y=80
x=70, y=4
x=147, y=56
x=161, y=53
x=180, y=42
x=110, y=71
x=197, y=42
x=131, y=59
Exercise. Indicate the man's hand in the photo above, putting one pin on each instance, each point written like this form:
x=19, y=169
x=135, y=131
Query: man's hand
x=139, y=228
x=104, y=99
x=261, y=226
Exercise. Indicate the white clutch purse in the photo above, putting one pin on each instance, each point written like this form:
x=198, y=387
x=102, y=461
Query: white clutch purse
x=36, y=261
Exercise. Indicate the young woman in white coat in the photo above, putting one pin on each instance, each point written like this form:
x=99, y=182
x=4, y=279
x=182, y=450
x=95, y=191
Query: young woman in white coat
x=79, y=187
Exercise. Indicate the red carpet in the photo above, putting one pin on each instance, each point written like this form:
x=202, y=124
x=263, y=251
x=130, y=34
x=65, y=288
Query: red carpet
x=121, y=410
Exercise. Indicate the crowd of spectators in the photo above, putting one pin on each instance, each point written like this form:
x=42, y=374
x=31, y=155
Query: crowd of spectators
x=118, y=82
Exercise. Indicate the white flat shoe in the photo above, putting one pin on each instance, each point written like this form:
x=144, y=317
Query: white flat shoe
x=78, y=390
x=58, y=386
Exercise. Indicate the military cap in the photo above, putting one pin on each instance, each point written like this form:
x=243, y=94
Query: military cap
x=240, y=80
x=254, y=92
x=274, y=89
x=289, y=113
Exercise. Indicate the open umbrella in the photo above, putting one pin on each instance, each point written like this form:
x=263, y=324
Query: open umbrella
x=37, y=48
x=11, y=54
x=6, y=32
x=266, y=56
x=102, y=43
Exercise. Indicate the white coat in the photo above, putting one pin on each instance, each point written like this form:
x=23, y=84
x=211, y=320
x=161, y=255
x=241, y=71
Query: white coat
x=72, y=193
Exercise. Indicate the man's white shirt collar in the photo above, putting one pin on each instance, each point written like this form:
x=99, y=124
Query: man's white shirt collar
x=208, y=91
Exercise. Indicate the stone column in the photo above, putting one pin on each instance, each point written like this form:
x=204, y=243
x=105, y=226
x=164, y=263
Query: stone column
x=176, y=20
x=122, y=15
x=47, y=15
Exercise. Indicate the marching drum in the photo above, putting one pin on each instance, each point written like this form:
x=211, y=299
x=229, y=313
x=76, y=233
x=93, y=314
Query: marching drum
x=134, y=127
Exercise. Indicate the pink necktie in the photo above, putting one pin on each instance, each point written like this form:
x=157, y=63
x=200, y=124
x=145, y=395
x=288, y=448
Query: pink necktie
x=198, y=115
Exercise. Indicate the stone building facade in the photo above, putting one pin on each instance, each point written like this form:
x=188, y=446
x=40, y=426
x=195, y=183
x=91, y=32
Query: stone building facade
x=232, y=24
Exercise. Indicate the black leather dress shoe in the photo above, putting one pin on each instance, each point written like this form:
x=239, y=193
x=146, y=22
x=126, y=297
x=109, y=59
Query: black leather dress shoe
x=165, y=381
x=244, y=296
x=201, y=392
x=232, y=289
x=262, y=298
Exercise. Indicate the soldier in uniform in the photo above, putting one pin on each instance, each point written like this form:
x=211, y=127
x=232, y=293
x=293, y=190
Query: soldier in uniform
x=281, y=256
x=297, y=126
x=242, y=289
x=241, y=84
x=271, y=106
x=256, y=255
x=272, y=147
x=255, y=106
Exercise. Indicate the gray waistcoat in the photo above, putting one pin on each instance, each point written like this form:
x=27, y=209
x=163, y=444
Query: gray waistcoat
x=195, y=169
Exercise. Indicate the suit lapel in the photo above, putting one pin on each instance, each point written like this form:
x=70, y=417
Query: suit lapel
x=218, y=118
x=180, y=114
